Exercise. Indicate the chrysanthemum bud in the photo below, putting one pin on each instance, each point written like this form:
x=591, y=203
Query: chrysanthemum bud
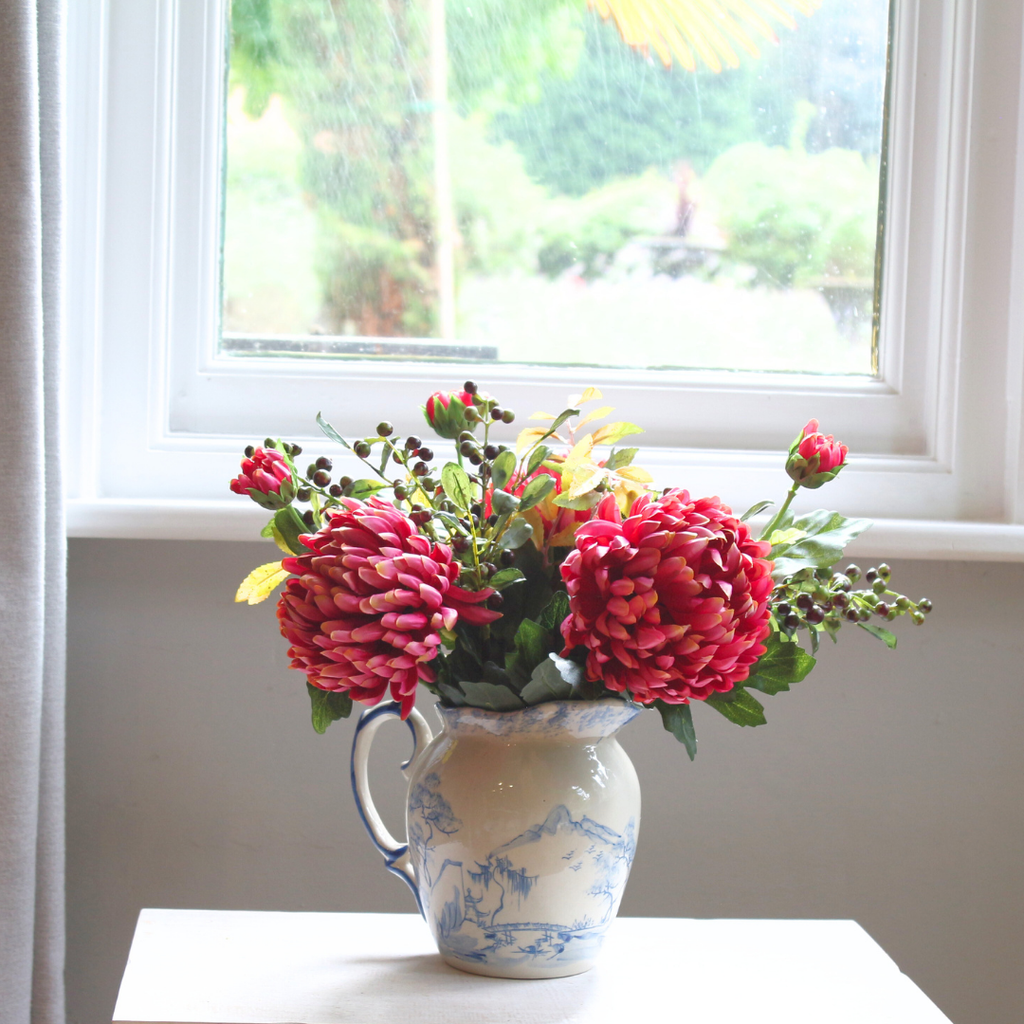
x=815, y=458
x=445, y=411
x=266, y=478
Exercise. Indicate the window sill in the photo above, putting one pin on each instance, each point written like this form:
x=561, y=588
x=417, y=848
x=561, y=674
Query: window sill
x=162, y=519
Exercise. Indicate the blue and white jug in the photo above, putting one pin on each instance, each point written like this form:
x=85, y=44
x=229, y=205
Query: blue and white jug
x=521, y=831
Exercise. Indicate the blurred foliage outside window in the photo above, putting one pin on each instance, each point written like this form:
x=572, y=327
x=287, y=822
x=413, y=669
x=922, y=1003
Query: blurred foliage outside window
x=598, y=207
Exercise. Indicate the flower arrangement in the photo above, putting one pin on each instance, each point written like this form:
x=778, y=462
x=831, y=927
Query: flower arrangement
x=507, y=577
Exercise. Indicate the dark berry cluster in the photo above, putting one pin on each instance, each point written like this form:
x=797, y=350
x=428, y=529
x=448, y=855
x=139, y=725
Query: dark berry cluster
x=822, y=599
x=475, y=529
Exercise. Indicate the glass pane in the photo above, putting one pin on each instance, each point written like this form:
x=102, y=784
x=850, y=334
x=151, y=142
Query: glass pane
x=527, y=181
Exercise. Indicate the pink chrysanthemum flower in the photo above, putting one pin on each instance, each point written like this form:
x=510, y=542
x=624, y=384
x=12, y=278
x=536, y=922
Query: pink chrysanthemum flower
x=366, y=606
x=672, y=602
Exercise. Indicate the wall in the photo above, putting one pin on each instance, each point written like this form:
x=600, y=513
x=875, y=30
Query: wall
x=886, y=788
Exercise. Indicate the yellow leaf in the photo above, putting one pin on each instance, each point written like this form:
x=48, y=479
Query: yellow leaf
x=585, y=478
x=635, y=473
x=528, y=437
x=542, y=416
x=260, y=583
x=625, y=495
x=590, y=395
x=564, y=537
x=279, y=538
x=600, y=411
x=612, y=432
x=581, y=451
x=532, y=516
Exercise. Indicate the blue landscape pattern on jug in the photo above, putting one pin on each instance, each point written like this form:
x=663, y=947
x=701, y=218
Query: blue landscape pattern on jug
x=488, y=911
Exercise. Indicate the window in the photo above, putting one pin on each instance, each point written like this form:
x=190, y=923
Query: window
x=161, y=413
x=512, y=182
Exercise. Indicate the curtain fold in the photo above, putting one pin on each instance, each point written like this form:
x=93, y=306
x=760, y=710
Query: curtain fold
x=32, y=536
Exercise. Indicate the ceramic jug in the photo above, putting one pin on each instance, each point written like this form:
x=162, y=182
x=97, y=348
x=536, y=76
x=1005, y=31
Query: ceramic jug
x=521, y=829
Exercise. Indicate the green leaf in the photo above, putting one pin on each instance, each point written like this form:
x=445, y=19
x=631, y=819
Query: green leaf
x=452, y=522
x=497, y=676
x=452, y=694
x=504, y=503
x=290, y=524
x=739, y=707
x=889, y=639
x=363, y=489
x=754, y=509
x=555, y=612
x=328, y=706
x=786, y=538
x=505, y=578
x=490, y=697
x=558, y=421
x=783, y=663
x=456, y=485
x=268, y=530
x=554, y=678
x=384, y=456
x=825, y=536
x=502, y=469
x=532, y=645
x=620, y=458
x=678, y=720
x=330, y=432
x=517, y=534
x=536, y=491
x=539, y=454
x=469, y=647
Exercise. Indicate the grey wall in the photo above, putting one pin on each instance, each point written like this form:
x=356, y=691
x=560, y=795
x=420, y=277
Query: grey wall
x=886, y=788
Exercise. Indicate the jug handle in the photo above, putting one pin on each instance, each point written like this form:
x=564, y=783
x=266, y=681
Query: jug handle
x=396, y=854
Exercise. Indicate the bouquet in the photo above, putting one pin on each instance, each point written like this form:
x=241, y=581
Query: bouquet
x=551, y=570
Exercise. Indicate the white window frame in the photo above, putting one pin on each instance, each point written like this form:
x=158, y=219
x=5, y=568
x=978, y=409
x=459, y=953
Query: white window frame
x=158, y=418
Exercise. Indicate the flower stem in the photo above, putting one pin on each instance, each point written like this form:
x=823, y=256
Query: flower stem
x=776, y=519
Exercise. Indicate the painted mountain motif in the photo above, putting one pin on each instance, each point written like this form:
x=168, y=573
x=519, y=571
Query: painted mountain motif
x=501, y=908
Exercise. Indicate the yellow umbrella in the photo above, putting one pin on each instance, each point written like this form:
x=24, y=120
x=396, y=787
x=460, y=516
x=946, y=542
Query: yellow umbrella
x=678, y=28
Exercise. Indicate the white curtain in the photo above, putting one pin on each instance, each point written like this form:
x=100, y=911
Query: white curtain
x=32, y=545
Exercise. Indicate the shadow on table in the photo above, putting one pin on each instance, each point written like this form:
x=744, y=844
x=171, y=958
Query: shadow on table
x=401, y=980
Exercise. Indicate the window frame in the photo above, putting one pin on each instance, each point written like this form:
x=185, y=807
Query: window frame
x=157, y=418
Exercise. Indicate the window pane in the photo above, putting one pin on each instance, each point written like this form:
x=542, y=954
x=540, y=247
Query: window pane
x=513, y=181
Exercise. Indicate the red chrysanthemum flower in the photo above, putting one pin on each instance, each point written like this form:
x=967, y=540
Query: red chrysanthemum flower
x=672, y=602
x=365, y=607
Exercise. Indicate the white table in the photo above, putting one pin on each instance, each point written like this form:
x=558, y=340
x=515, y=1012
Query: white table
x=252, y=967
